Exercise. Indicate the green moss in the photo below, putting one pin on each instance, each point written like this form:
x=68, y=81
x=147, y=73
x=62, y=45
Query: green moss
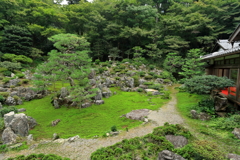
x=91, y=121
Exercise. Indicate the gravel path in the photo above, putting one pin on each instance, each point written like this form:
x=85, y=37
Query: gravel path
x=82, y=149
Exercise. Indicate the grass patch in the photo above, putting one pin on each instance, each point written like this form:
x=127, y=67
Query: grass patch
x=202, y=130
x=91, y=121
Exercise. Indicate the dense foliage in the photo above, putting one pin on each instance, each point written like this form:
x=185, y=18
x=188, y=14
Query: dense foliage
x=152, y=29
x=206, y=83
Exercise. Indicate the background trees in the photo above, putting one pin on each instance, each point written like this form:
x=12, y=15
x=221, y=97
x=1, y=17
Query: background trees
x=159, y=27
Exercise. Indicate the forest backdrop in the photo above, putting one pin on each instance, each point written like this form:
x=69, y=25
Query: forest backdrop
x=120, y=28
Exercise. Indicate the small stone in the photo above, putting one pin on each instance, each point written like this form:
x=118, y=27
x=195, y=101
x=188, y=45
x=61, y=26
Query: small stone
x=236, y=132
x=73, y=139
x=15, y=146
x=99, y=102
x=21, y=110
x=55, y=136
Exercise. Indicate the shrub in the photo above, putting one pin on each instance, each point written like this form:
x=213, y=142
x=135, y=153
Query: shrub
x=117, y=78
x=114, y=128
x=117, y=70
x=2, y=99
x=25, y=81
x=122, y=66
x=151, y=67
x=104, y=64
x=205, y=84
x=228, y=123
x=6, y=80
x=2, y=125
x=97, y=61
x=205, y=105
x=126, y=60
x=148, y=83
x=151, y=73
x=166, y=95
x=156, y=86
x=102, y=69
x=148, y=77
x=6, y=110
x=4, y=94
x=136, y=81
x=10, y=65
x=20, y=75
x=140, y=90
x=166, y=81
x=208, y=150
x=39, y=156
x=3, y=148
x=2, y=70
x=141, y=73
x=7, y=73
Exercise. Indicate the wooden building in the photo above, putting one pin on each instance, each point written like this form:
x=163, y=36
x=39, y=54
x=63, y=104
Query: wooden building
x=225, y=61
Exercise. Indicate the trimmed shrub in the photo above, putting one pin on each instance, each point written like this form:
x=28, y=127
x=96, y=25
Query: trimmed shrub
x=148, y=77
x=156, y=86
x=148, y=83
x=25, y=81
x=97, y=61
x=141, y=73
x=20, y=75
x=7, y=73
x=140, y=90
x=2, y=99
x=136, y=80
x=6, y=110
x=114, y=128
x=151, y=67
x=4, y=94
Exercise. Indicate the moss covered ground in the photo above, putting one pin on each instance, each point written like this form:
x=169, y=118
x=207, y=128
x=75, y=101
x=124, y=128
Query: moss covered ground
x=92, y=121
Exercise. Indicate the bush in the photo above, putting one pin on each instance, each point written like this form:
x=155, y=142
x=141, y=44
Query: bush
x=148, y=77
x=114, y=128
x=20, y=75
x=104, y=64
x=166, y=95
x=140, y=90
x=151, y=67
x=166, y=81
x=6, y=80
x=117, y=78
x=2, y=99
x=7, y=73
x=25, y=81
x=151, y=73
x=148, y=83
x=205, y=105
x=136, y=80
x=4, y=94
x=39, y=156
x=6, y=110
x=228, y=123
x=141, y=73
x=97, y=61
x=2, y=125
x=205, y=84
x=156, y=86
x=2, y=70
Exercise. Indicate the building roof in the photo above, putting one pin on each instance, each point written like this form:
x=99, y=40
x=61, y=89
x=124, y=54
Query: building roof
x=222, y=53
x=229, y=47
x=235, y=36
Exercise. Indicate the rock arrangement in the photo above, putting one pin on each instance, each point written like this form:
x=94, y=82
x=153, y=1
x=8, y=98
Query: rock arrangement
x=16, y=125
x=109, y=78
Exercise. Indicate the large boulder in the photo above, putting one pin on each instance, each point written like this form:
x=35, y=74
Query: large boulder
x=137, y=114
x=10, y=101
x=221, y=103
x=20, y=124
x=13, y=82
x=106, y=92
x=232, y=156
x=168, y=155
x=8, y=136
x=236, y=132
x=177, y=141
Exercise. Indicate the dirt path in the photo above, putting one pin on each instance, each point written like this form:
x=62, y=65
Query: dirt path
x=82, y=149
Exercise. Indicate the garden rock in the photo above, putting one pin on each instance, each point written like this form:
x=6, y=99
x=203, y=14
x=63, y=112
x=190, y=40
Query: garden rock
x=98, y=95
x=232, y=156
x=21, y=110
x=14, y=93
x=125, y=89
x=99, y=102
x=221, y=103
x=114, y=133
x=55, y=136
x=129, y=82
x=168, y=155
x=85, y=105
x=56, y=104
x=64, y=92
x=12, y=82
x=29, y=138
x=28, y=74
x=8, y=136
x=73, y=139
x=141, y=81
x=55, y=122
x=236, y=132
x=177, y=141
x=15, y=146
x=92, y=74
x=92, y=82
x=153, y=91
x=3, y=89
x=10, y=101
x=20, y=124
x=202, y=116
x=137, y=114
